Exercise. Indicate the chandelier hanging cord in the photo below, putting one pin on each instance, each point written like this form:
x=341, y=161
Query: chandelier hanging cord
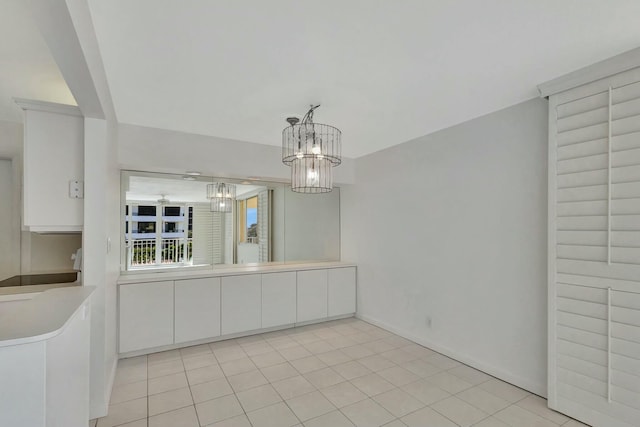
x=308, y=118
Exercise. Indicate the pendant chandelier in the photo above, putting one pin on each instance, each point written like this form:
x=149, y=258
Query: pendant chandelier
x=222, y=196
x=311, y=149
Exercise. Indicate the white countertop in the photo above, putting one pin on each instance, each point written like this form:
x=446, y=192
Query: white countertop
x=41, y=317
x=192, y=273
x=25, y=289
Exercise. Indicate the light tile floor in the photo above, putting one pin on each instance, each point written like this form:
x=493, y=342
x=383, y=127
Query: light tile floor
x=340, y=373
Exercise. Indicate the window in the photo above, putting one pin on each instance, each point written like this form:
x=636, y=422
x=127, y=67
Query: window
x=157, y=240
x=146, y=210
x=248, y=218
x=167, y=222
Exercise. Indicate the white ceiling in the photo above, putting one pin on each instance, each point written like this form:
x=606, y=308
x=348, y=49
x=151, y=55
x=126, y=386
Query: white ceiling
x=384, y=71
x=27, y=69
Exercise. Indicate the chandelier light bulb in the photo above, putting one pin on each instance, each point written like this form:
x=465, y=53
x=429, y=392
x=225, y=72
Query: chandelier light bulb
x=316, y=149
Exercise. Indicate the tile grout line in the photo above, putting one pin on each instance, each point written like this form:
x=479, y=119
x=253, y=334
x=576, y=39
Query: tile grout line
x=304, y=342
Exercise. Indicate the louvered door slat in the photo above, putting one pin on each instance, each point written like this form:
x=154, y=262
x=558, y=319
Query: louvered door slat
x=629, y=141
x=581, y=105
x=625, y=92
x=589, y=148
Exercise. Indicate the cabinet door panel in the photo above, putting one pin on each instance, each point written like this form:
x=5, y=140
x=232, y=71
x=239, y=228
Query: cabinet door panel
x=241, y=303
x=342, y=291
x=197, y=309
x=312, y=295
x=278, y=299
x=146, y=315
x=48, y=136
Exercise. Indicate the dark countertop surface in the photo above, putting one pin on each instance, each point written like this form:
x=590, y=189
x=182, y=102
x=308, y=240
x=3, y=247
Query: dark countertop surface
x=39, y=279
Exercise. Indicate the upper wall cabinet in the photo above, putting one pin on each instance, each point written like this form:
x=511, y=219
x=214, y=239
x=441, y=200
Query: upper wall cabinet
x=53, y=167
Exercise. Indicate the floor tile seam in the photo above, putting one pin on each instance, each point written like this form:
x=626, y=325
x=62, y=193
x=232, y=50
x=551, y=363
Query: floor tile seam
x=538, y=415
x=196, y=356
x=127, y=422
x=193, y=400
x=477, y=406
x=148, y=391
x=159, y=362
x=531, y=412
x=428, y=405
x=433, y=409
x=224, y=419
x=481, y=410
x=171, y=410
x=371, y=398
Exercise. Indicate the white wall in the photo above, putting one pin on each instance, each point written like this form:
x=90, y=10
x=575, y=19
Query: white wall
x=312, y=226
x=10, y=197
x=50, y=253
x=101, y=265
x=277, y=222
x=159, y=150
x=9, y=223
x=452, y=226
x=248, y=253
x=348, y=223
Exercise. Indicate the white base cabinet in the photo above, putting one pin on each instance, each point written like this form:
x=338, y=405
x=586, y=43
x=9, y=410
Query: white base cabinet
x=167, y=314
x=197, y=309
x=312, y=295
x=241, y=303
x=146, y=315
x=341, y=291
x=278, y=299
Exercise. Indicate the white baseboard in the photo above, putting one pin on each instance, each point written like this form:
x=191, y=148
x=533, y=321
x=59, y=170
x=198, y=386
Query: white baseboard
x=524, y=383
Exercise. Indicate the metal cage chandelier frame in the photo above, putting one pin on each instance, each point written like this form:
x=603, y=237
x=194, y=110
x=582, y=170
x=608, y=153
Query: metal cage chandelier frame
x=312, y=150
x=222, y=196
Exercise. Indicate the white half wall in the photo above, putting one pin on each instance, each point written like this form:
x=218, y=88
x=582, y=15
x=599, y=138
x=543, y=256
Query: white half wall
x=451, y=228
x=101, y=259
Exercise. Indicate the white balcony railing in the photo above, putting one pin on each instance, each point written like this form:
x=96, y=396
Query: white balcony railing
x=150, y=252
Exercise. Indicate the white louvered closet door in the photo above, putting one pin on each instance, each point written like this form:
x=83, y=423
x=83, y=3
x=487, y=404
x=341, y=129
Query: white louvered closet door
x=594, y=251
